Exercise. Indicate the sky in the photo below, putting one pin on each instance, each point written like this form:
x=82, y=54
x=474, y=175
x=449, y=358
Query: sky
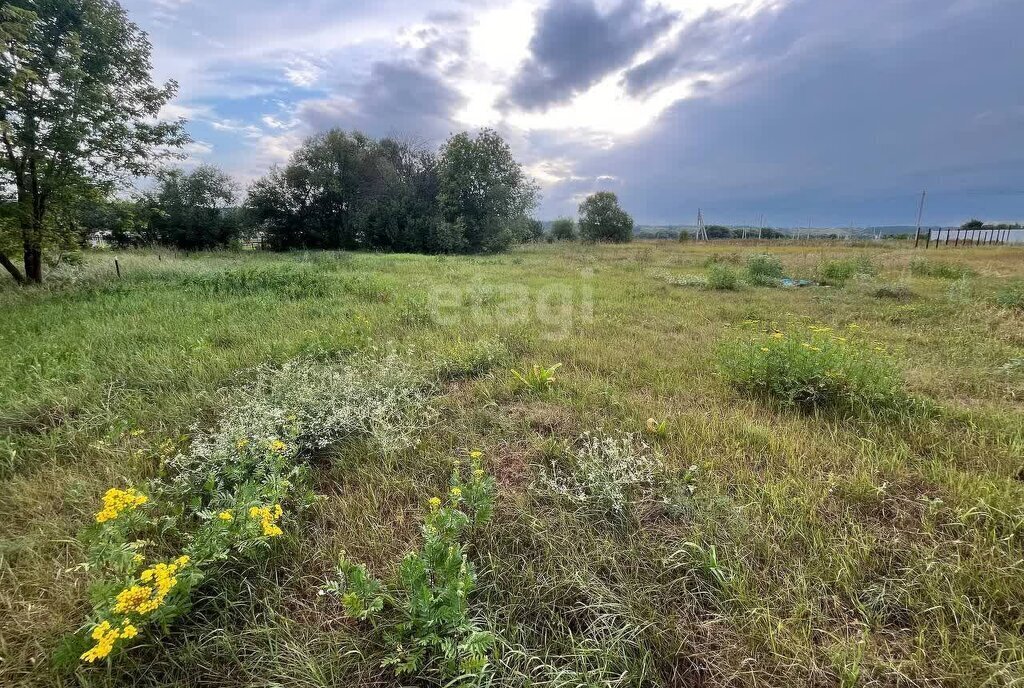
x=806, y=112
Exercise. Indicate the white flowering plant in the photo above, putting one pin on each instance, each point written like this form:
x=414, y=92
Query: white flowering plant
x=225, y=497
x=614, y=475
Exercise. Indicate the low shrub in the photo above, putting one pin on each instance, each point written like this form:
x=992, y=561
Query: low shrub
x=1011, y=296
x=423, y=617
x=922, y=267
x=237, y=487
x=614, y=475
x=722, y=278
x=813, y=369
x=838, y=272
x=894, y=292
x=764, y=270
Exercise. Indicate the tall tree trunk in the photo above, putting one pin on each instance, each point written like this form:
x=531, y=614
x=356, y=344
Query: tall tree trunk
x=33, y=262
x=32, y=243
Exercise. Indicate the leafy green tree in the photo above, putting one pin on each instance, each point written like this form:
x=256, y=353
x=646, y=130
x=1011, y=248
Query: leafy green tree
x=563, y=229
x=602, y=219
x=972, y=224
x=342, y=190
x=483, y=192
x=77, y=102
x=120, y=222
x=534, y=230
x=192, y=210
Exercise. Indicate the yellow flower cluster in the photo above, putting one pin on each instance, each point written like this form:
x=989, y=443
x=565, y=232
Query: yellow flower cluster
x=225, y=516
x=159, y=580
x=435, y=503
x=105, y=636
x=456, y=492
x=115, y=501
x=278, y=446
x=268, y=518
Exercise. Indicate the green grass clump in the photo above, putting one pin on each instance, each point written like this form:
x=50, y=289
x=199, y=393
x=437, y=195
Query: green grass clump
x=1011, y=296
x=811, y=370
x=723, y=278
x=922, y=267
x=764, y=270
x=279, y=280
x=838, y=272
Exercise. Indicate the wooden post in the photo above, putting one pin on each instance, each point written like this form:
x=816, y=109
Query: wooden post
x=117, y=267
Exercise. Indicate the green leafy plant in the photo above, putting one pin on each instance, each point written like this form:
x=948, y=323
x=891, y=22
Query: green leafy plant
x=423, y=618
x=764, y=270
x=812, y=369
x=537, y=378
x=838, y=272
x=723, y=278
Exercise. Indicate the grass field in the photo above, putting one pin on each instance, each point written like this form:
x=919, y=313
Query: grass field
x=877, y=543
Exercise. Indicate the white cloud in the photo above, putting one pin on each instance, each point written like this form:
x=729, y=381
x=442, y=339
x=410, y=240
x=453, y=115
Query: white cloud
x=302, y=72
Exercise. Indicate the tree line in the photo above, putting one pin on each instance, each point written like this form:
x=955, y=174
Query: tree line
x=80, y=121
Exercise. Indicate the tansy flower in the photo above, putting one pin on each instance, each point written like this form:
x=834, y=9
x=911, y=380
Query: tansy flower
x=242, y=443
x=475, y=454
x=225, y=516
x=138, y=560
x=105, y=636
x=435, y=503
x=278, y=446
x=115, y=501
x=456, y=492
x=478, y=473
x=764, y=348
x=777, y=335
x=268, y=519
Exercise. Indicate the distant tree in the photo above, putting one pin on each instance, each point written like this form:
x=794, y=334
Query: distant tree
x=77, y=103
x=684, y=235
x=718, y=232
x=483, y=192
x=192, y=210
x=601, y=219
x=972, y=224
x=119, y=222
x=343, y=191
x=563, y=229
x=533, y=230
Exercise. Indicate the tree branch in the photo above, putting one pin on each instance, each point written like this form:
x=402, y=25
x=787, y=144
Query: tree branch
x=12, y=268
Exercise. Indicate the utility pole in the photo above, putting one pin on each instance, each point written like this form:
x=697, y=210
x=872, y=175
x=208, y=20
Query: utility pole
x=920, y=210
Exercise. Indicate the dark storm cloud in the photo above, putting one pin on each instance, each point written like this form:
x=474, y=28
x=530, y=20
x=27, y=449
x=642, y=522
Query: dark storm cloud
x=575, y=45
x=843, y=115
x=397, y=99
